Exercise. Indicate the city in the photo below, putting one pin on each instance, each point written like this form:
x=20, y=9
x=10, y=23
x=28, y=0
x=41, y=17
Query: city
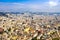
x=29, y=27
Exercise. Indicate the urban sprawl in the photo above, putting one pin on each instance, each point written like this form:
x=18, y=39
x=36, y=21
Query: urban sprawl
x=28, y=26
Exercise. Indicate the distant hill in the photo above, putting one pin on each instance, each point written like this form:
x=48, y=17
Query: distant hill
x=3, y=14
x=37, y=13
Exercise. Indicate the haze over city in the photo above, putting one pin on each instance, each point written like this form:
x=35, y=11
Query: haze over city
x=30, y=5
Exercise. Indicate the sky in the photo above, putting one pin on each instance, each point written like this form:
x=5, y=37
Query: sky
x=30, y=5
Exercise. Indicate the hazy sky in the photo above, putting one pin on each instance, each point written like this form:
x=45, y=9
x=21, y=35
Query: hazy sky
x=30, y=5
